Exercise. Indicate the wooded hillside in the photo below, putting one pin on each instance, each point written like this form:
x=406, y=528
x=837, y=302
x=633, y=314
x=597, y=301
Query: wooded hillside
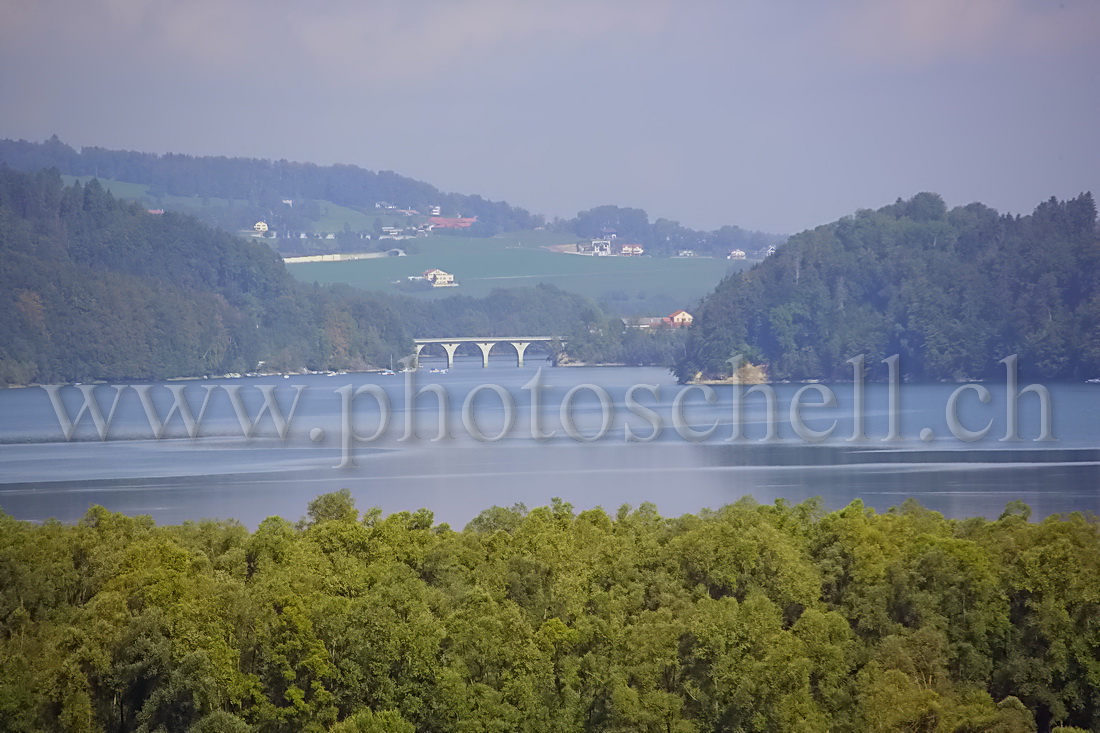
x=952, y=292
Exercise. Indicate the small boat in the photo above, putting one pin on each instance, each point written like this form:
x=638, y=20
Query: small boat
x=1092, y=381
x=388, y=372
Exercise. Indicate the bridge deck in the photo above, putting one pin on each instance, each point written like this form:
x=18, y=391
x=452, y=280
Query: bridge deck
x=483, y=339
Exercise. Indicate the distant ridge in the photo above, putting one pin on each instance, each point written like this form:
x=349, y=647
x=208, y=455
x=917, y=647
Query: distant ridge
x=263, y=184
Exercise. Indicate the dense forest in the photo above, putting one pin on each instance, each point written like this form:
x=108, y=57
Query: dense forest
x=262, y=184
x=92, y=287
x=663, y=237
x=748, y=618
x=952, y=292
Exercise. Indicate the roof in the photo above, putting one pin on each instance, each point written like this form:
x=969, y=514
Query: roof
x=434, y=271
x=676, y=313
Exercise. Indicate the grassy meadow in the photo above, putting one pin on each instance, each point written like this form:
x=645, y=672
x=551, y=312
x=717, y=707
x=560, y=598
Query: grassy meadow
x=630, y=285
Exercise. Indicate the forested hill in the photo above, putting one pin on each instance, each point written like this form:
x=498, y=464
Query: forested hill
x=93, y=287
x=262, y=184
x=951, y=292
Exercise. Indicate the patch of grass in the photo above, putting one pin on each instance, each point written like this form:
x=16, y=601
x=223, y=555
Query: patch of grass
x=513, y=260
x=334, y=216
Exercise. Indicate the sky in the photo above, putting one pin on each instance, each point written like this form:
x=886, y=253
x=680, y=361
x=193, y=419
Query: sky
x=776, y=116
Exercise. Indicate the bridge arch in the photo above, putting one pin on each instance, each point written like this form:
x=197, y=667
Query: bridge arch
x=484, y=344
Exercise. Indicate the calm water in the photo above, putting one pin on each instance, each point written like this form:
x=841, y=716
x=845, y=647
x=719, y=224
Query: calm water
x=222, y=474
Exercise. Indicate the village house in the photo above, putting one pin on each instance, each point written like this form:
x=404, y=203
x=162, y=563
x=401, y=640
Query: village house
x=685, y=253
x=680, y=319
x=737, y=254
x=632, y=250
x=439, y=279
x=597, y=248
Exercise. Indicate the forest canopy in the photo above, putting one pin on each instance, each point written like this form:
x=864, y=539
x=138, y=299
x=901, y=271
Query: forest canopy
x=751, y=617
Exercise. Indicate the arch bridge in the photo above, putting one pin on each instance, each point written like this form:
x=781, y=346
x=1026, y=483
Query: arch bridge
x=450, y=345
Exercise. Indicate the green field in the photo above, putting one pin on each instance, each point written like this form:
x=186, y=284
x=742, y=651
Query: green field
x=334, y=217
x=630, y=284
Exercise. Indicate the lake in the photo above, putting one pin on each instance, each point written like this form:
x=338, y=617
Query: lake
x=679, y=467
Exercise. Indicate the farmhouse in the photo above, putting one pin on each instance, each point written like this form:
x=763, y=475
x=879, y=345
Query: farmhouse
x=681, y=318
x=438, y=278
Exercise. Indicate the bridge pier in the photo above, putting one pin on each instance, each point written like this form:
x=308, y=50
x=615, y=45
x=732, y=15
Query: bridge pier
x=486, y=347
x=520, y=347
x=450, y=349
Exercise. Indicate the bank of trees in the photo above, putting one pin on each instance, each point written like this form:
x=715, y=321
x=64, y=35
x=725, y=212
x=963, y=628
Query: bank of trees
x=664, y=237
x=753, y=618
x=952, y=292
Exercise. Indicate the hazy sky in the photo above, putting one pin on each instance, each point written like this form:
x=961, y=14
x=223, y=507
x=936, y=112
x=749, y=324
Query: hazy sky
x=769, y=115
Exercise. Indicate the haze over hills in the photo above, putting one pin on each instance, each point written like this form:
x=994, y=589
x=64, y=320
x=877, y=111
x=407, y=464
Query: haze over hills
x=294, y=198
x=100, y=288
x=92, y=287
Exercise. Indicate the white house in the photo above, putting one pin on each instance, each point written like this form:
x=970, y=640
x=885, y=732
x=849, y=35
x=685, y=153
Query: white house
x=438, y=278
x=737, y=254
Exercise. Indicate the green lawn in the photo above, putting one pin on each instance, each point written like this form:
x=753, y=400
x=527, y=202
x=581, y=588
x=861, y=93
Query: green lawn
x=518, y=259
x=334, y=216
